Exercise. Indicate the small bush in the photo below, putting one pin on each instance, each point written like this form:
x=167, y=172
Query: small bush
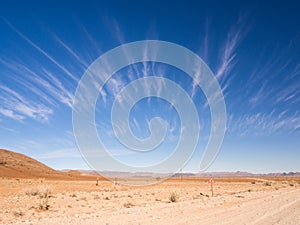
x=128, y=205
x=42, y=192
x=253, y=182
x=268, y=183
x=44, y=204
x=174, y=197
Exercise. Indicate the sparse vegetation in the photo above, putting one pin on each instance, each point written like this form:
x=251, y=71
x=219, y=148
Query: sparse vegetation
x=96, y=197
x=268, y=183
x=240, y=196
x=18, y=213
x=41, y=191
x=253, y=182
x=44, y=203
x=128, y=205
x=249, y=190
x=174, y=197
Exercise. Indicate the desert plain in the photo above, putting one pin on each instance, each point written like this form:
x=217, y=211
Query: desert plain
x=74, y=198
x=235, y=201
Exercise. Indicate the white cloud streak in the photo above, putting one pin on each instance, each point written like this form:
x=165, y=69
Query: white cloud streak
x=263, y=124
x=43, y=84
x=71, y=51
x=228, y=54
x=15, y=106
x=11, y=114
x=35, y=46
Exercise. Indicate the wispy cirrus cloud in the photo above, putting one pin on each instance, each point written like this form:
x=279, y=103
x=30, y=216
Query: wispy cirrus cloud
x=37, y=88
x=275, y=80
x=41, y=83
x=55, y=87
x=83, y=64
x=263, y=124
x=17, y=107
x=40, y=50
x=11, y=114
x=113, y=26
x=228, y=54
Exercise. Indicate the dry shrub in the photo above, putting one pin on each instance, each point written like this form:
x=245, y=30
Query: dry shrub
x=128, y=205
x=44, y=204
x=174, y=197
x=43, y=192
x=268, y=183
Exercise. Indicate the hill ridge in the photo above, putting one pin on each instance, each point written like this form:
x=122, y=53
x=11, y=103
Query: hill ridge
x=18, y=165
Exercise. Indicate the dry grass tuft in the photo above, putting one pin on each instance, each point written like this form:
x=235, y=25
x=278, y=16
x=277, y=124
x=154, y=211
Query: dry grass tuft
x=44, y=204
x=173, y=197
x=128, y=205
x=43, y=191
x=268, y=183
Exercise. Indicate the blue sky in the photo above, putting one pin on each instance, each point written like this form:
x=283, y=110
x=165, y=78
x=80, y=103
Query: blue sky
x=252, y=47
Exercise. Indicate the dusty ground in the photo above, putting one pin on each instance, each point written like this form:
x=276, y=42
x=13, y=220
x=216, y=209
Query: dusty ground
x=235, y=201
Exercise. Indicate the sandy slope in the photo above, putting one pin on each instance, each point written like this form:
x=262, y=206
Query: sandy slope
x=17, y=165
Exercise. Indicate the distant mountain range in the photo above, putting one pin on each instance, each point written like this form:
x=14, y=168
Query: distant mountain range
x=17, y=165
x=205, y=174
